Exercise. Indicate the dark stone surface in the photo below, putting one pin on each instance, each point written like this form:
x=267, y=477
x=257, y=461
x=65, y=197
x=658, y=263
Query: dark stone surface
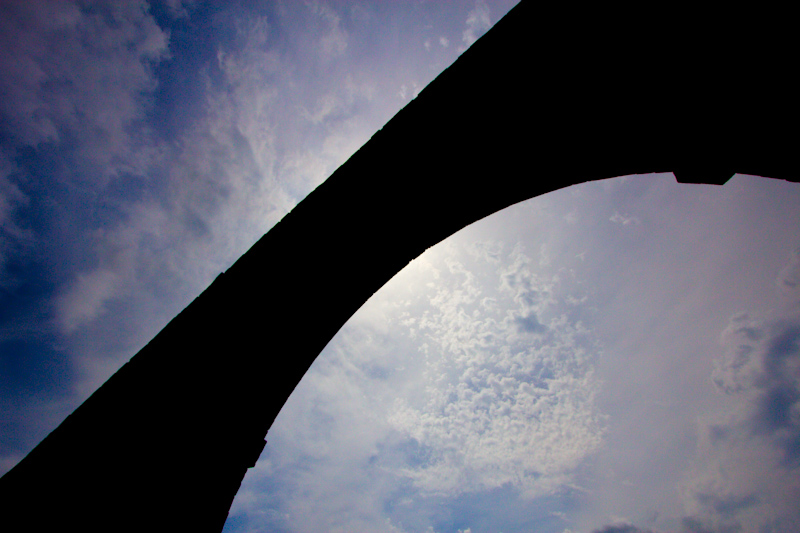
x=548, y=98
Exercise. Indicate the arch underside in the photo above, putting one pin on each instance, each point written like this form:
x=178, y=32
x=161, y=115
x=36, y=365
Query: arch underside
x=543, y=101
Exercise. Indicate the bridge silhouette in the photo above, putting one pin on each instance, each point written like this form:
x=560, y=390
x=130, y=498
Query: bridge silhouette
x=549, y=97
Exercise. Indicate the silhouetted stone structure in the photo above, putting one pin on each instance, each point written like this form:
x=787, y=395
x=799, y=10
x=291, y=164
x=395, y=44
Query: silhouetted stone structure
x=546, y=99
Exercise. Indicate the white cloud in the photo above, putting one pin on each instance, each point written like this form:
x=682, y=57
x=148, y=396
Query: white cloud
x=485, y=400
x=472, y=378
x=618, y=218
x=500, y=406
x=322, y=448
x=571, y=217
x=84, y=301
x=666, y=292
x=478, y=23
x=77, y=77
x=431, y=388
x=747, y=472
x=444, y=41
x=407, y=91
x=789, y=278
x=487, y=251
x=740, y=365
x=124, y=265
x=333, y=42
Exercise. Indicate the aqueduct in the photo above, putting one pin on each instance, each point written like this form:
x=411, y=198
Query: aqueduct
x=549, y=97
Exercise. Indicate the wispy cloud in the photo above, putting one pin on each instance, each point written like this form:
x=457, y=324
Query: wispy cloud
x=76, y=77
x=619, y=218
x=333, y=42
x=14, y=237
x=478, y=23
x=84, y=301
x=229, y=175
x=138, y=161
x=75, y=87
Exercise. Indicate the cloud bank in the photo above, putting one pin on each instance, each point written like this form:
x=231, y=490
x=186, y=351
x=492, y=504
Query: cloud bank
x=760, y=371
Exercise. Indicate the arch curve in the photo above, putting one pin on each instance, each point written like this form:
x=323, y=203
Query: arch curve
x=544, y=100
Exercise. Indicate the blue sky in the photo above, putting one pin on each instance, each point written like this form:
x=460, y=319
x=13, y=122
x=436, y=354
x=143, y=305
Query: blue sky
x=619, y=356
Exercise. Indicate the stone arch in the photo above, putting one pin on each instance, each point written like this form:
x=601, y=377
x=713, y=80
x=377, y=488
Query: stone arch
x=546, y=99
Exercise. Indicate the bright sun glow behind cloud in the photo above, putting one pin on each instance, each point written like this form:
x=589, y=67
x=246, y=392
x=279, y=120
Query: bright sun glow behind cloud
x=541, y=357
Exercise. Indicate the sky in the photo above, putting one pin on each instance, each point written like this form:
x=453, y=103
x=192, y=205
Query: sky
x=621, y=356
